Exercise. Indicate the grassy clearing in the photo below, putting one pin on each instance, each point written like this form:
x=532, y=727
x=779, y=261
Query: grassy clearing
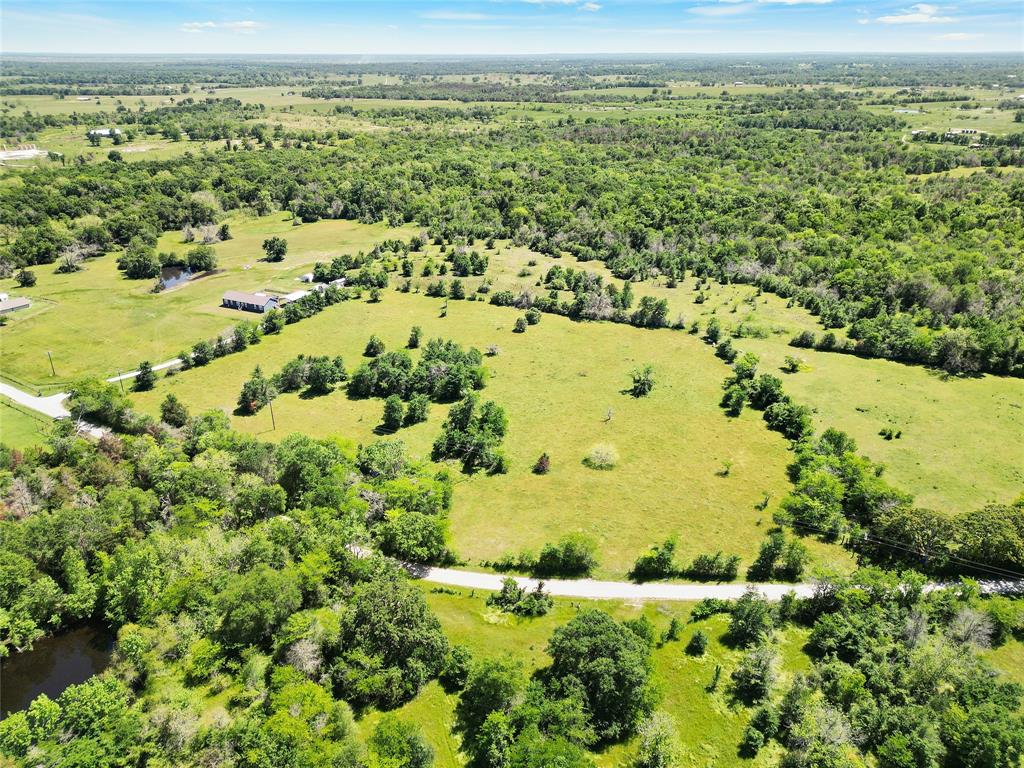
x=942, y=116
x=20, y=428
x=96, y=322
x=944, y=464
x=710, y=725
x=1008, y=659
x=557, y=382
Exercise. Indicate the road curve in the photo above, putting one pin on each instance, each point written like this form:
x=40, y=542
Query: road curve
x=53, y=405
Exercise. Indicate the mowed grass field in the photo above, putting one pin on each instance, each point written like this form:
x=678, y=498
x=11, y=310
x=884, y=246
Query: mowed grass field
x=96, y=322
x=19, y=427
x=558, y=382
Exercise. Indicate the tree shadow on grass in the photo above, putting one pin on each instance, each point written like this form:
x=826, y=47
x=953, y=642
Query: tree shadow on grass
x=312, y=394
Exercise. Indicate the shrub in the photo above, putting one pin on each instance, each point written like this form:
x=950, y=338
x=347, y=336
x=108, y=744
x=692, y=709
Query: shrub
x=173, y=411
x=520, y=326
x=25, y=278
x=573, y=555
x=716, y=567
x=602, y=456
x=455, y=668
x=374, y=347
x=708, y=607
x=417, y=410
x=698, y=643
x=804, y=340
x=658, y=563
x=643, y=381
x=543, y=465
x=533, y=316
x=756, y=673
x=514, y=599
x=393, y=413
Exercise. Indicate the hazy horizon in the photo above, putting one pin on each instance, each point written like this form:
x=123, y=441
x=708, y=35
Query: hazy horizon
x=511, y=27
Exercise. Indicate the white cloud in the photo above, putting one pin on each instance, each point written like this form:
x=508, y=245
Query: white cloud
x=796, y=2
x=733, y=9
x=589, y=7
x=452, y=16
x=959, y=36
x=242, y=27
x=920, y=13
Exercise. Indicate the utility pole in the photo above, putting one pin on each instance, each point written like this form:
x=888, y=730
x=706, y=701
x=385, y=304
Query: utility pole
x=50, y=358
x=273, y=421
x=120, y=380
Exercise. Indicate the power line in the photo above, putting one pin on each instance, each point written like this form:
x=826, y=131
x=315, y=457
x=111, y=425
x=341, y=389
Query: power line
x=992, y=570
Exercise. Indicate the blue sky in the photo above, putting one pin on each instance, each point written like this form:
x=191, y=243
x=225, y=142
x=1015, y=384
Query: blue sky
x=511, y=26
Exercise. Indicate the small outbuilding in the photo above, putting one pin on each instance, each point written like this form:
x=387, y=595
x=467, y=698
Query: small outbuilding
x=306, y=278
x=8, y=304
x=249, y=302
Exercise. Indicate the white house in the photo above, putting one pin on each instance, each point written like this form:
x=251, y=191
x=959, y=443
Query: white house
x=249, y=302
x=8, y=304
x=105, y=132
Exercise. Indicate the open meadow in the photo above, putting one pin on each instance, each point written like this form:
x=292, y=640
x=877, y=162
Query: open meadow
x=561, y=384
x=946, y=466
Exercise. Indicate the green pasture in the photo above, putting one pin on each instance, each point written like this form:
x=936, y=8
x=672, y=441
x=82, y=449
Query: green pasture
x=20, y=427
x=96, y=322
x=561, y=384
x=943, y=116
x=943, y=462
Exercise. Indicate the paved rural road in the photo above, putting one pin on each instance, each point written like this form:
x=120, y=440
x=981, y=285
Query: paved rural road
x=588, y=589
x=133, y=374
x=606, y=590
x=53, y=405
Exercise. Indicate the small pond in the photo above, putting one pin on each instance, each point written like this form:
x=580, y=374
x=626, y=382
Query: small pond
x=172, y=276
x=52, y=665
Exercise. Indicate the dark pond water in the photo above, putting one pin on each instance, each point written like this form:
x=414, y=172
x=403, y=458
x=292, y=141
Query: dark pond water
x=172, y=276
x=52, y=665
